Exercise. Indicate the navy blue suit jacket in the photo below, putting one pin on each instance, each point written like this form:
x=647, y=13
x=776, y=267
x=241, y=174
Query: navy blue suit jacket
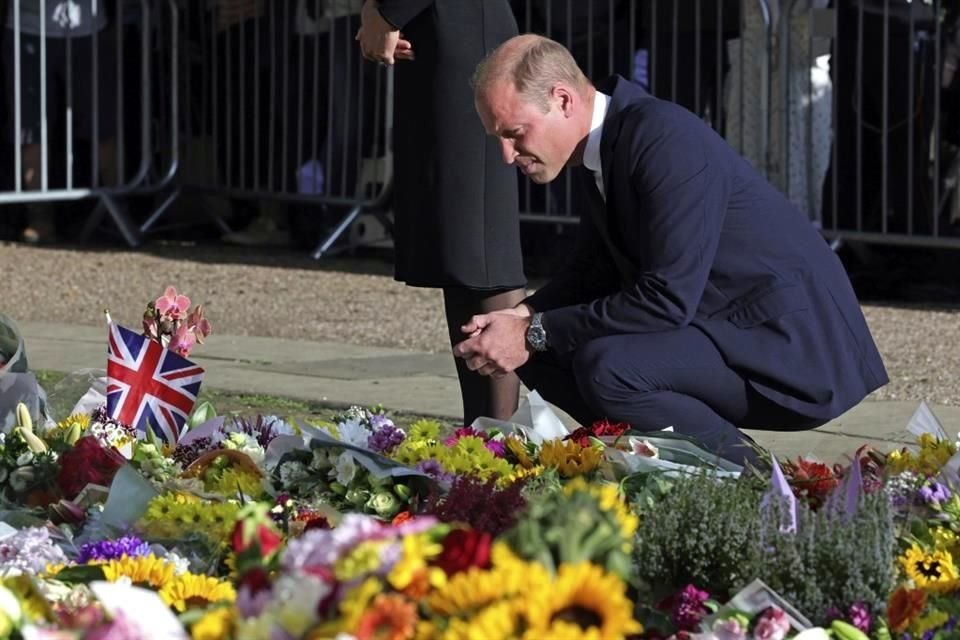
x=692, y=235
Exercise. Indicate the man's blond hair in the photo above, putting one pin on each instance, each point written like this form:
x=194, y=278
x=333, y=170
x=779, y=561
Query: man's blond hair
x=534, y=65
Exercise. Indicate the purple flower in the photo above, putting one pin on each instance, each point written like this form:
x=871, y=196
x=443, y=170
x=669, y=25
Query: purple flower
x=436, y=471
x=496, y=447
x=386, y=437
x=130, y=546
x=859, y=616
x=933, y=493
x=688, y=609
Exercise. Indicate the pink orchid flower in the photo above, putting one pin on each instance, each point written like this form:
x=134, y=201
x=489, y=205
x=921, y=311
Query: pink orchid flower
x=198, y=324
x=172, y=305
x=182, y=341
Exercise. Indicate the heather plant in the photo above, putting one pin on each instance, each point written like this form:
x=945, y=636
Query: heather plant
x=702, y=530
x=714, y=534
x=834, y=560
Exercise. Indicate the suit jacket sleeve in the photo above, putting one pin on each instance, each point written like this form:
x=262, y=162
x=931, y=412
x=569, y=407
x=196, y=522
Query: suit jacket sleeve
x=681, y=200
x=400, y=12
x=587, y=275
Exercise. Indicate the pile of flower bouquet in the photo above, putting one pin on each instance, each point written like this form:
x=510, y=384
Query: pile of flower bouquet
x=265, y=527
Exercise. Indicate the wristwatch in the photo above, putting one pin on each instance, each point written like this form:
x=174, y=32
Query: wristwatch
x=536, y=334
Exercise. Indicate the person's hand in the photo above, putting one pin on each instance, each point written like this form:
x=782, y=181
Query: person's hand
x=497, y=342
x=379, y=40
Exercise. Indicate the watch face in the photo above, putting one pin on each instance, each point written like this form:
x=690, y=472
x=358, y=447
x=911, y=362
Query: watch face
x=537, y=337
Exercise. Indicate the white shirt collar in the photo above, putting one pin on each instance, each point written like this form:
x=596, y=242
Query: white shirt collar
x=591, y=153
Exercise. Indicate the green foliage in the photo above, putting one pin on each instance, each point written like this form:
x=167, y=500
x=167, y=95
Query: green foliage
x=833, y=560
x=714, y=534
x=703, y=530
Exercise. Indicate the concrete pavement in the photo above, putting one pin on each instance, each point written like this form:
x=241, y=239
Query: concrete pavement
x=422, y=383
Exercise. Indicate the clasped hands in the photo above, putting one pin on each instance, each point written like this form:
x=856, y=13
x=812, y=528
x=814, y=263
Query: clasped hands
x=497, y=342
x=379, y=40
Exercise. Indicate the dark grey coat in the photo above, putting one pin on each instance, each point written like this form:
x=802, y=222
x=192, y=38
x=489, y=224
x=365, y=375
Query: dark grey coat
x=455, y=201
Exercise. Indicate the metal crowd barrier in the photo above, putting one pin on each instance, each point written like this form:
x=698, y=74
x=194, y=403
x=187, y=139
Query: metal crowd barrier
x=84, y=73
x=287, y=106
x=851, y=108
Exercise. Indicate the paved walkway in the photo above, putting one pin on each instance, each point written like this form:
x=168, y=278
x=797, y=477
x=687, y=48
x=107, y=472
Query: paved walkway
x=422, y=383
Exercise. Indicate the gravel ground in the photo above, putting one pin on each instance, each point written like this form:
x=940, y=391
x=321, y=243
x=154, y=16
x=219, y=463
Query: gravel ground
x=269, y=292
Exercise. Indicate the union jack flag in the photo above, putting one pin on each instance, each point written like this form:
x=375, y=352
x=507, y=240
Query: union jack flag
x=148, y=386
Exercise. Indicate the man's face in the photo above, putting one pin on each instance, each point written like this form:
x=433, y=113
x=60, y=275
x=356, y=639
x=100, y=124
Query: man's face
x=538, y=143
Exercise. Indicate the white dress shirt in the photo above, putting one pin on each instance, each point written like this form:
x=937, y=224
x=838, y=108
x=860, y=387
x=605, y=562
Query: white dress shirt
x=591, y=153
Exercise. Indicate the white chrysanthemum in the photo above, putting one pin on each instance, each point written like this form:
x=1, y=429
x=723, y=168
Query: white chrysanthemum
x=247, y=444
x=352, y=432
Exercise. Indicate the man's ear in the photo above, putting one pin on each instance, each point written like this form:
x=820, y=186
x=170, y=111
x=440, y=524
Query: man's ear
x=564, y=98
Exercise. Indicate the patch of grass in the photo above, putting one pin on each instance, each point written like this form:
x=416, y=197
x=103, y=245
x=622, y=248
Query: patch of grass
x=252, y=404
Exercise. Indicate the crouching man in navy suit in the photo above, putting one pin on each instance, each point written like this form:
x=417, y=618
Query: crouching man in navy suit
x=698, y=297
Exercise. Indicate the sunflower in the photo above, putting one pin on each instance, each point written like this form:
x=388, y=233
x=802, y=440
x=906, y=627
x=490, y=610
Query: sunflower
x=193, y=591
x=215, y=624
x=499, y=620
x=582, y=600
x=468, y=591
x=518, y=449
x=148, y=570
x=905, y=605
x=930, y=570
x=390, y=617
x=73, y=426
x=569, y=458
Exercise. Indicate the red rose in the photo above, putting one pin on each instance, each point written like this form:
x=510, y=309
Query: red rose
x=464, y=548
x=88, y=462
x=255, y=580
x=246, y=534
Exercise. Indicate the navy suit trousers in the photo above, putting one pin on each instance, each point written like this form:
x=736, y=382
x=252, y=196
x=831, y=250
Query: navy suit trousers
x=657, y=380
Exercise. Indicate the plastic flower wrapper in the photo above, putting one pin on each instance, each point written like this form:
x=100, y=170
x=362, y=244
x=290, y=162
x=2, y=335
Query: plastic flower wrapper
x=349, y=478
x=583, y=522
x=17, y=382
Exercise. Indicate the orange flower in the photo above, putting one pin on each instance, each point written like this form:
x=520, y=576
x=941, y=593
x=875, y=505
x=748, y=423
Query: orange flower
x=390, y=617
x=905, y=605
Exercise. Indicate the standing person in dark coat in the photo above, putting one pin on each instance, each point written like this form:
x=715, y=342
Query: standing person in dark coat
x=455, y=203
x=699, y=297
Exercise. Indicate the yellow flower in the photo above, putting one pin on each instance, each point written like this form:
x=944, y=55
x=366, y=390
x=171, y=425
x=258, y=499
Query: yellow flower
x=946, y=540
x=932, y=620
x=424, y=430
x=569, y=458
x=356, y=601
x=932, y=571
x=499, y=620
x=518, y=449
x=230, y=481
x=476, y=588
x=148, y=570
x=608, y=497
x=216, y=624
x=362, y=560
x=179, y=514
x=417, y=551
x=519, y=474
x=73, y=425
x=191, y=590
x=583, y=602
